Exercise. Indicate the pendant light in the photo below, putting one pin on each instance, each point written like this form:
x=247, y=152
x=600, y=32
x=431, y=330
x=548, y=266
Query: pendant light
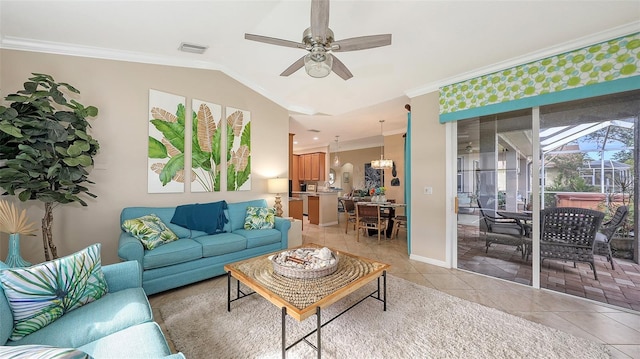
x=382, y=164
x=336, y=159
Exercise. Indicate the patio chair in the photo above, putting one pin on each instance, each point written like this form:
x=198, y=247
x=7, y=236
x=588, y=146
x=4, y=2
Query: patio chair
x=350, y=213
x=368, y=218
x=501, y=230
x=606, y=232
x=568, y=234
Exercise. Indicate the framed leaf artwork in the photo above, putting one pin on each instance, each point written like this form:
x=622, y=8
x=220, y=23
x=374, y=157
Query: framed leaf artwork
x=238, y=149
x=165, y=166
x=206, y=146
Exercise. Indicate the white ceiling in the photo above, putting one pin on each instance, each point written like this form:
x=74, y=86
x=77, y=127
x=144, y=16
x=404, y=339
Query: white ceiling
x=433, y=43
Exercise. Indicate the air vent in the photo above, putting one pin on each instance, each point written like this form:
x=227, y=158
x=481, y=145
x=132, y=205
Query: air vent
x=193, y=48
x=312, y=130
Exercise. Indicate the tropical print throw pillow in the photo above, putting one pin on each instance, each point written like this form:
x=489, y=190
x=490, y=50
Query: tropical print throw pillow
x=150, y=230
x=260, y=218
x=40, y=294
x=32, y=351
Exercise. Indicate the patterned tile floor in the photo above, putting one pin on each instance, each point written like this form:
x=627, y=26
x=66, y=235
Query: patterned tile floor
x=620, y=287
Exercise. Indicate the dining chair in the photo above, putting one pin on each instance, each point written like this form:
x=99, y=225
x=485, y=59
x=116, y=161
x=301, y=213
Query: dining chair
x=368, y=218
x=350, y=213
x=568, y=233
x=398, y=222
x=606, y=232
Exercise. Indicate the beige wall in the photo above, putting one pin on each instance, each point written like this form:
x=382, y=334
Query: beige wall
x=428, y=168
x=394, y=150
x=120, y=90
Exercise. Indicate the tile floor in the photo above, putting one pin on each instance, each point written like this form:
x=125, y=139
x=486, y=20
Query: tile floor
x=602, y=323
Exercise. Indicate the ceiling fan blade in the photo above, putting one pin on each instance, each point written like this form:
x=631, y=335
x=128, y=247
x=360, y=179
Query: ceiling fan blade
x=274, y=41
x=294, y=67
x=319, y=19
x=361, y=43
x=340, y=69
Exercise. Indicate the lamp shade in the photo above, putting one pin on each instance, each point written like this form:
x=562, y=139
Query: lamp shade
x=318, y=63
x=278, y=185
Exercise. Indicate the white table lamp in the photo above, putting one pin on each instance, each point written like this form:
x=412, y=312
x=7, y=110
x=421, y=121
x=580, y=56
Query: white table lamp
x=278, y=186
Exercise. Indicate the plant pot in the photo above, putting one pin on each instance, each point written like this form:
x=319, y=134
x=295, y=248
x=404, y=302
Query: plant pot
x=13, y=257
x=623, y=247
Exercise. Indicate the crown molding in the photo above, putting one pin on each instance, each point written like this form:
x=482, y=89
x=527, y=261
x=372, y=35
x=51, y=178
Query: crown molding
x=50, y=47
x=619, y=31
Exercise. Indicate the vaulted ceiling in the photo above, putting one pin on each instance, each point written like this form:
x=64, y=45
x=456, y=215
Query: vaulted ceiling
x=433, y=43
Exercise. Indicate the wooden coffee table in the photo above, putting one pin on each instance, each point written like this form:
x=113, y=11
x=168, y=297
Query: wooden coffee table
x=302, y=298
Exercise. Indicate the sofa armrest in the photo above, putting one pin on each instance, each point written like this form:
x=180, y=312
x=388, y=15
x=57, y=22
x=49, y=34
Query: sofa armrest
x=130, y=248
x=283, y=226
x=123, y=275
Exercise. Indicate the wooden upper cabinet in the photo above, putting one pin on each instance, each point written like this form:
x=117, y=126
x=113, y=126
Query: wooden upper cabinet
x=306, y=159
x=317, y=166
x=311, y=166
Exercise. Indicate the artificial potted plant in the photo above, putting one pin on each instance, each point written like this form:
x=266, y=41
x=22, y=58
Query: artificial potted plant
x=46, y=149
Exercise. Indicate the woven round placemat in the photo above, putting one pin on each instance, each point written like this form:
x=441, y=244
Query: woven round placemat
x=302, y=292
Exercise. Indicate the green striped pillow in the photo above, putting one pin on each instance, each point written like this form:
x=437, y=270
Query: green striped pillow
x=40, y=294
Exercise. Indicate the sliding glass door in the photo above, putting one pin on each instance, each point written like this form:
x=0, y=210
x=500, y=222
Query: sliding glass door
x=581, y=154
x=494, y=156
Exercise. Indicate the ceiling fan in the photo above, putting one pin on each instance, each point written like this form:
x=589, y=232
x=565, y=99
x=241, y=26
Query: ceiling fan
x=318, y=40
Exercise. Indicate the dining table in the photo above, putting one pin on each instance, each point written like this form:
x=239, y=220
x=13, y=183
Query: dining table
x=524, y=218
x=389, y=210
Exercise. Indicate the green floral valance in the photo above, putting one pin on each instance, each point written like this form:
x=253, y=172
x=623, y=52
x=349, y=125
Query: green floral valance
x=607, y=61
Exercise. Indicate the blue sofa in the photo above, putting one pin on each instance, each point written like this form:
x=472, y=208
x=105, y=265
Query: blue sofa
x=118, y=325
x=196, y=255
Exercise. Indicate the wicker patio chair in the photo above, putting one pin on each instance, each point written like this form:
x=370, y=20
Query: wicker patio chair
x=569, y=234
x=607, y=230
x=500, y=230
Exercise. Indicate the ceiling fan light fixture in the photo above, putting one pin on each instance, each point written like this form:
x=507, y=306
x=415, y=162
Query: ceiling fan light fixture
x=318, y=63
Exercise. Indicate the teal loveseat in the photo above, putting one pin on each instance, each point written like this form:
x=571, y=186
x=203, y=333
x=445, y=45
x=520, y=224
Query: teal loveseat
x=196, y=255
x=117, y=325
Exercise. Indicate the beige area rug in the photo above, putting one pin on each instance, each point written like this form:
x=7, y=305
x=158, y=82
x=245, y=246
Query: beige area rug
x=419, y=323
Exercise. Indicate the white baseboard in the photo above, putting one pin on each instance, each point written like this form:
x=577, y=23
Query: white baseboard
x=429, y=261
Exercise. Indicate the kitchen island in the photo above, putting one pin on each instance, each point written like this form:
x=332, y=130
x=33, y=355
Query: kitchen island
x=322, y=207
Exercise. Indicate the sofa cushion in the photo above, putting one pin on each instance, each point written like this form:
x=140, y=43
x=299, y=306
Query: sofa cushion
x=139, y=341
x=113, y=312
x=41, y=352
x=150, y=230
x=238, y=212
x=259, y=218
x=204, y=217
x=182, y=250
x=261, y=237
x=221, y=244
x=40, y=294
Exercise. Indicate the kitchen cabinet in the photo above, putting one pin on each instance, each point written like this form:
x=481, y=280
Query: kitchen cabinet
x=311, y=166
x=314, y=209
x=306, y=159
